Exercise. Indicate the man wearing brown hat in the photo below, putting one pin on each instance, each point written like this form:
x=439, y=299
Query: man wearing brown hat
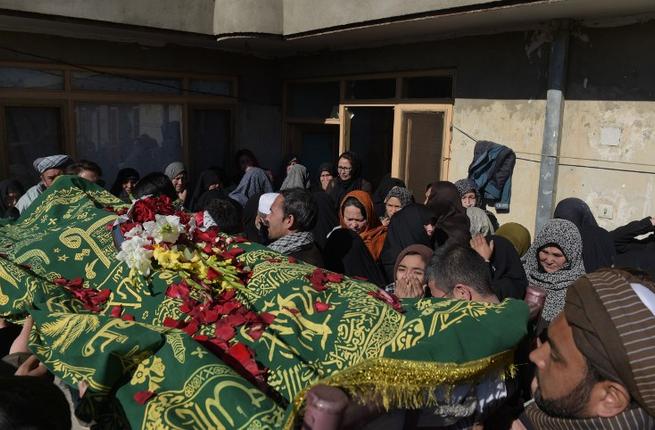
x=597, y=368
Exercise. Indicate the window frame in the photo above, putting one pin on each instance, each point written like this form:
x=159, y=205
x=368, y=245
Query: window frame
x=399, y=103
x=67, y=98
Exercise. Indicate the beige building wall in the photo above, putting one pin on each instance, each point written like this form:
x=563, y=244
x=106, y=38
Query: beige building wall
x=615, y=135
x=514, y=123
x=194, y=16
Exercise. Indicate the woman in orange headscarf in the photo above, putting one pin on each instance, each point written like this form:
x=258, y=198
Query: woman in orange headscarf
x=358, y=214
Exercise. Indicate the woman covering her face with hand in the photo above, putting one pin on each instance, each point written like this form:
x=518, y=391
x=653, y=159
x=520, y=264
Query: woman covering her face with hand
x=409, y=272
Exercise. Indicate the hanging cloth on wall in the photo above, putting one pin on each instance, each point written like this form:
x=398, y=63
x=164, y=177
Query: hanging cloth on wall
x=491, y=169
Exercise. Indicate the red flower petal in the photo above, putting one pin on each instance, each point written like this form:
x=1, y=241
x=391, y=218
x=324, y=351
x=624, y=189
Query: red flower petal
x=170, y=322
x=320, y=306
x=240, y=352
x=267, y=317
x=224, y=332
x=294, y=311
x=116, y=311
x=256, y=332
x=76, y=282
x=293, y=260
x=128, y=317
x=178, y=291
x=191, y=328
x=61, y=281
x=143, y=396
x=212, y=274
x=334, y=277
x=201, y=338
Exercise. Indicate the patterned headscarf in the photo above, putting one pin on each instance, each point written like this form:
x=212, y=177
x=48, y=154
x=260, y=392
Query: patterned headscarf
x=401, y=193
x=565, y=235
x=58, y=161
x=466, y=186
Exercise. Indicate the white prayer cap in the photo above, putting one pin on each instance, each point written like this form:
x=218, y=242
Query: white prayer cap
x=266, y=201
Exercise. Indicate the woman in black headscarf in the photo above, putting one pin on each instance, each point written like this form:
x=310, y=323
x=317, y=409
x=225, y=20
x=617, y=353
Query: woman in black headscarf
x=386, y=184
x=451, y=222
x=349, y=170
x=346, y=253
x=597, y=243
x=10, y=192
x=123, y=187
x=208, y=187
x=326, y=174
x=327, y=218
x=411, y=225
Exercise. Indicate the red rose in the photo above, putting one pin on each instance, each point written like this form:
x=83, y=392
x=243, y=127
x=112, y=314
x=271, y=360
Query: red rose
x=143, y=212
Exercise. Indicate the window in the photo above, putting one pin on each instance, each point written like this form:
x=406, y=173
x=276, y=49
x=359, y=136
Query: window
x=14, y=77
x=133, y=84
x=211, y=87
x=313, y=100
x=143, y=136
x=371, y=89
x=32, y=132
x=428, y=87
x=210, y=138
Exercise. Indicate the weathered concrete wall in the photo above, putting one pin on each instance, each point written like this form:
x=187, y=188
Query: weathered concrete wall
x=195, y=16
x=514, y=123
x=609, y=120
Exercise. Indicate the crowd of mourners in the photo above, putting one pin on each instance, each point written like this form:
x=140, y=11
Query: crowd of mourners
x=589, y=361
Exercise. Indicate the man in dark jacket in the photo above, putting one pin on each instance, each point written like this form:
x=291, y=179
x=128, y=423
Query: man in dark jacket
x=293, y=216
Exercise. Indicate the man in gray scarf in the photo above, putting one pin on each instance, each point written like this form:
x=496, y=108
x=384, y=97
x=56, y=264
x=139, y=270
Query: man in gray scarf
x=595, y=371
x=49, y=168
x=290, y=223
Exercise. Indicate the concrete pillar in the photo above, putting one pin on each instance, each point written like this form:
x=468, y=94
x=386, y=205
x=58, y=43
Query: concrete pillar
x=557, y=68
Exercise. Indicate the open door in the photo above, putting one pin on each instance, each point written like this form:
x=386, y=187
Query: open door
x=421, y=145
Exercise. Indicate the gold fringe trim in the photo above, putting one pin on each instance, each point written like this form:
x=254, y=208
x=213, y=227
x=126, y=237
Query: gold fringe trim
x=406, y=384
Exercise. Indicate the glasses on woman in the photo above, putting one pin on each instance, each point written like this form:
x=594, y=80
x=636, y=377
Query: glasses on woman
x=344, y=168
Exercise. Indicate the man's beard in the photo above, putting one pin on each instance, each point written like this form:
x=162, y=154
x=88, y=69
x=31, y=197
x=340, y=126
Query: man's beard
x=572, y=404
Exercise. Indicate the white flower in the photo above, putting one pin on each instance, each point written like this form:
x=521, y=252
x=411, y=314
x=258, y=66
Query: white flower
x=137, y=230
x=165, y=228
x=135, y=255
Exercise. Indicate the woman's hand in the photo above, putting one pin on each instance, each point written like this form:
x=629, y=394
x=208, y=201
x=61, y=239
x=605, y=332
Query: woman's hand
x=480, y=245
x=409, y=287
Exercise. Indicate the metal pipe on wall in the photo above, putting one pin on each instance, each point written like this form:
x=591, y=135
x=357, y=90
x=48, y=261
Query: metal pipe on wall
x=557, y=69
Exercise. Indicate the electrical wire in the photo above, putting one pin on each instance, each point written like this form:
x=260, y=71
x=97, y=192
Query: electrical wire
x=559, y=157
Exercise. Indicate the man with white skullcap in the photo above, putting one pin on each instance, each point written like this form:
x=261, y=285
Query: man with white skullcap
x=49, y=168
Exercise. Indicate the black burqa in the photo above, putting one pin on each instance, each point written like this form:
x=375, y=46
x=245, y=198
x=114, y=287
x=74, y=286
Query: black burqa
x=406, y=228
x=386, y=184
x=451, y=222
x=338, y=188
x=202, y=194
x=326, y=220
x=508, y=277
x=9, y=186
x=597, y=243
x=346, y=253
